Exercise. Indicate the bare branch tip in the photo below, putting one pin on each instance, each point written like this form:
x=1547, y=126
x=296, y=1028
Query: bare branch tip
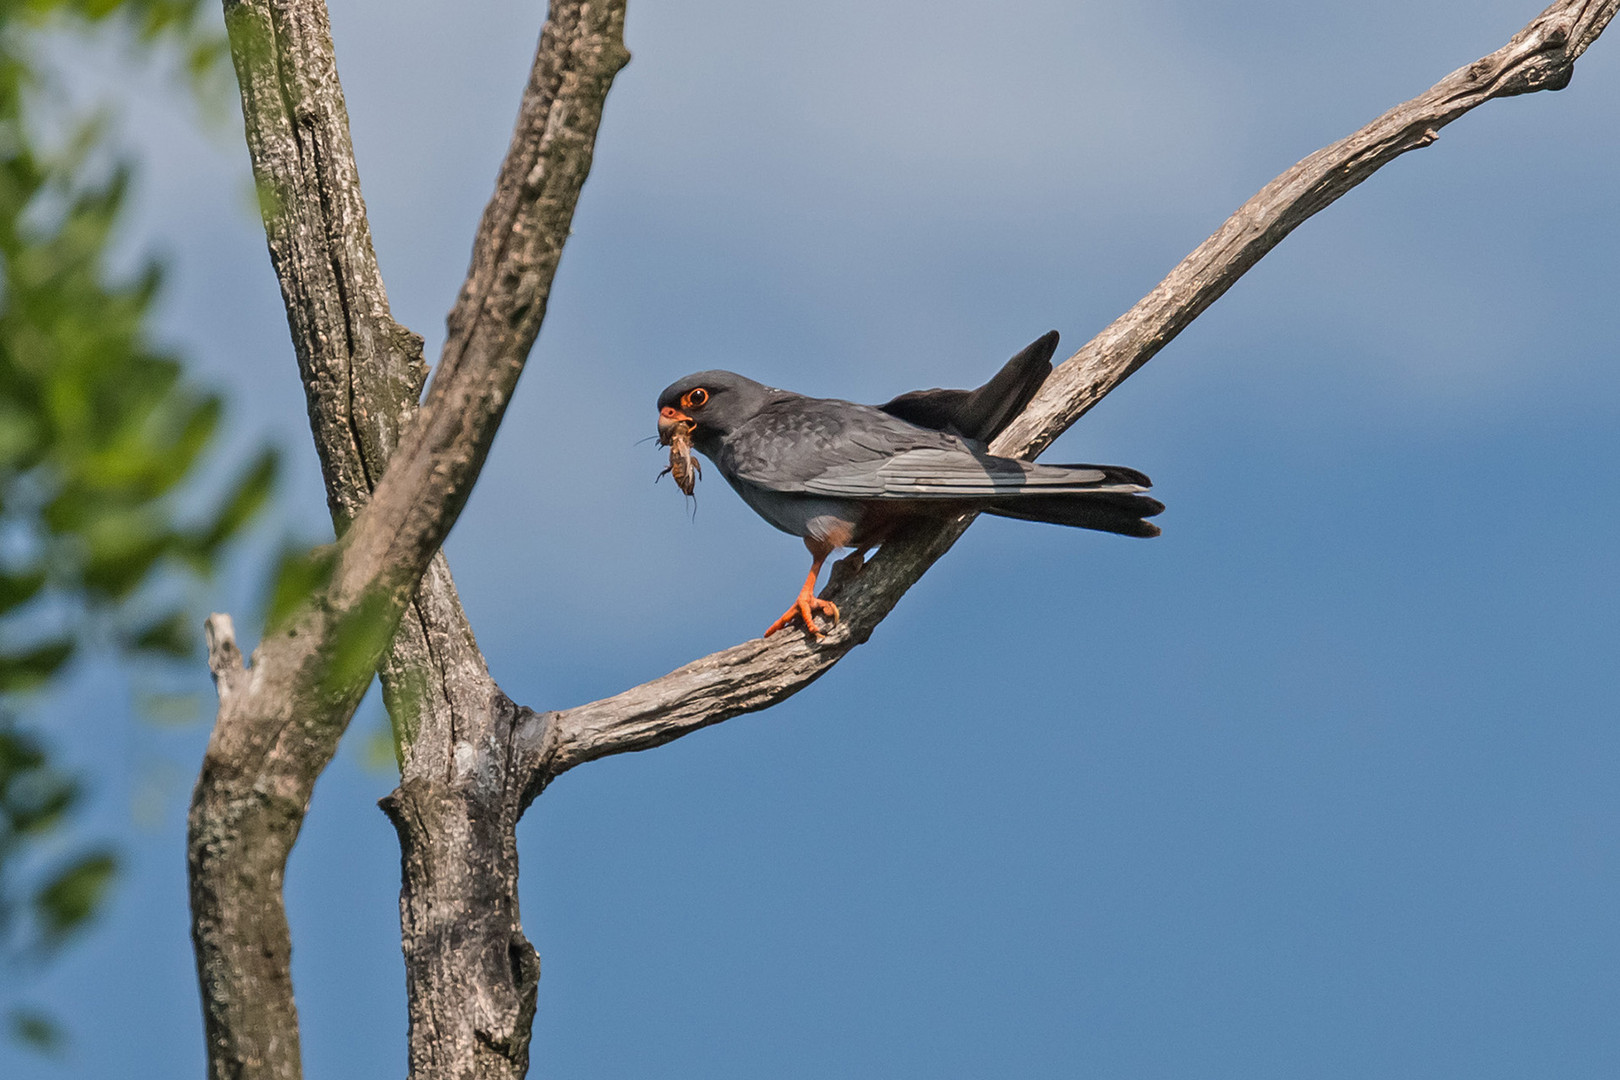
x=224, y=658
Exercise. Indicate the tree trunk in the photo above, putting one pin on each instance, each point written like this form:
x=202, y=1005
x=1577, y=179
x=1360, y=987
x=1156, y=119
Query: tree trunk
x=471, y=974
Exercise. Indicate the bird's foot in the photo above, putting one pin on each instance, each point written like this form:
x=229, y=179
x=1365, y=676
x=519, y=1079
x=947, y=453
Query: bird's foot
x=806, y=607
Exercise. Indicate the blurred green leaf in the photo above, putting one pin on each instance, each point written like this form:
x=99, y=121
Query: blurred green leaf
x=122, y=553
x=358, y=642
x=19, y=752
x=21, y=434
x=19, y=588
x=27, y=669
x=300, y=573
x=34, y=798
x=37, y=1031
x=68, y=899
x=378, y=751
x=105, y=440
x=245, y=500
x=176, y=634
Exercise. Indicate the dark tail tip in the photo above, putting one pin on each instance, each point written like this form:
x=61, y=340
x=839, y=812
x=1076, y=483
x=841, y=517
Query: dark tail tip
x=1112, y=511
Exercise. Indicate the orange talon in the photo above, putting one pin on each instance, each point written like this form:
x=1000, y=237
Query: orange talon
x=807, y=605
x=806, y=608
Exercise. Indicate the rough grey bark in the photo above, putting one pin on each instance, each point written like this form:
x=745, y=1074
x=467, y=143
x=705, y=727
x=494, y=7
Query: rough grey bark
x=471, y=974
x=471, y=760
x=280, y=720
x=251, y=795
x=363, y=376
x=362, y=373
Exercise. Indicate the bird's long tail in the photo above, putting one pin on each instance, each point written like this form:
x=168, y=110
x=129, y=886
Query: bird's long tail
x=1115, y=513
x=1108, y=510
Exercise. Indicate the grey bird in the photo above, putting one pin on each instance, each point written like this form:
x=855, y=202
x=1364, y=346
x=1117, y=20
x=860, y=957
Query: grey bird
x=839, y=474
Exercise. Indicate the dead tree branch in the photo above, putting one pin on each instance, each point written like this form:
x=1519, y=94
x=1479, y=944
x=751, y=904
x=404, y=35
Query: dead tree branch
x=758, y=674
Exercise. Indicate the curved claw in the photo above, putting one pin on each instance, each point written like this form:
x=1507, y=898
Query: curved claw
x=806, y=607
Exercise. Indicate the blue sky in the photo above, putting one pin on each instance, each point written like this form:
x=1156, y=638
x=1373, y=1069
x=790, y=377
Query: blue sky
x=1320, y=783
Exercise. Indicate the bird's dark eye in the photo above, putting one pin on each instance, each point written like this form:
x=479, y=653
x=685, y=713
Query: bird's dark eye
x=694, y=399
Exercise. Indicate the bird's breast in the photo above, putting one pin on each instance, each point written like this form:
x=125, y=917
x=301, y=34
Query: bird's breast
x=815, y=517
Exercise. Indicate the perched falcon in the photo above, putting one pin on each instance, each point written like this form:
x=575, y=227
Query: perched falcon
x=840, y=474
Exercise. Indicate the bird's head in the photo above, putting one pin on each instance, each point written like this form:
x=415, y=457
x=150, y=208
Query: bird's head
x=711, y=402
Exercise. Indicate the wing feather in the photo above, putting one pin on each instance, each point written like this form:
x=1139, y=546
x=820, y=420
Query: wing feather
x=837, y=449
x=956, y=474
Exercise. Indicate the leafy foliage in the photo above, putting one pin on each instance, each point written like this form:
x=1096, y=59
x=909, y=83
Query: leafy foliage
x=43, y=912
x=102, y=442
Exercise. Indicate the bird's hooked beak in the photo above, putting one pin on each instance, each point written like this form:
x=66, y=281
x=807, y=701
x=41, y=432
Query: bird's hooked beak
x=669, y=419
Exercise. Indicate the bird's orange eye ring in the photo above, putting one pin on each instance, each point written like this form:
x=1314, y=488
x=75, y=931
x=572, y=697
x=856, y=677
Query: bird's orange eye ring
x=694, y=399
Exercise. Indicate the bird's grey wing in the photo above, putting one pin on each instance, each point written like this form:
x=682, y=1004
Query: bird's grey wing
x=950, y=473
x=836, y=449
x=796, y=439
